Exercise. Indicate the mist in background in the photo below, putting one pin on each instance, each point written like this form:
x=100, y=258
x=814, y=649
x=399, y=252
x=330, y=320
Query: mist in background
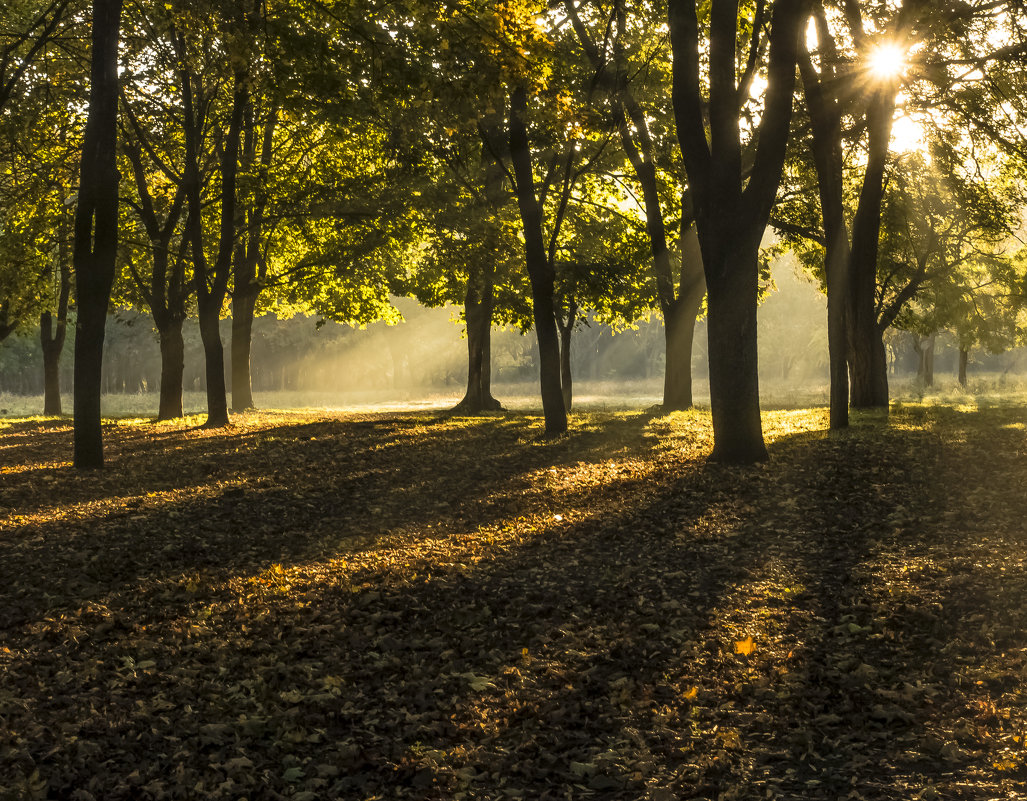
x=422, y=362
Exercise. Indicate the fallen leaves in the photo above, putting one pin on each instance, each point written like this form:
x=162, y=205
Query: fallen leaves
x=308, y=607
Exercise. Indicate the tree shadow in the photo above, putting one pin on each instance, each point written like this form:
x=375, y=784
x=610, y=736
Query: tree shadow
x=509, y=654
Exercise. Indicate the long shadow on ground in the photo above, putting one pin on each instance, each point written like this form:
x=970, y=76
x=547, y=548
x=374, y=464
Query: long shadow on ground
x=785, y=631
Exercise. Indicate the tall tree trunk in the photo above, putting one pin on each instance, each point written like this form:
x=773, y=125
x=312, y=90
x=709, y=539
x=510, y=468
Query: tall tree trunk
x=172, y=369
x=250, y=268
x=52, y=339
x=869, y=382
x=540, y=268
x=96, y=231
x=679, y=326
x=243, y=306
x=732, y=205
x=825, y=118
x=211, y=280
x=637, y=142
x=964, y=359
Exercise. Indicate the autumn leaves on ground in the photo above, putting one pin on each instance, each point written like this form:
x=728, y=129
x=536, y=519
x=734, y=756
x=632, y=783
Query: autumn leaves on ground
x=414, y=606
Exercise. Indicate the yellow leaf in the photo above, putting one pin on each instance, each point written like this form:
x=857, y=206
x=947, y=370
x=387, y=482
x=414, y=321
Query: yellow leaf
x=692, y=693
x=744, y=647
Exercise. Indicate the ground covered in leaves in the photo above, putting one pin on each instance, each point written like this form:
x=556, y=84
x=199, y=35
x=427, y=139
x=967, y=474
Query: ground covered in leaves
x=414, y=606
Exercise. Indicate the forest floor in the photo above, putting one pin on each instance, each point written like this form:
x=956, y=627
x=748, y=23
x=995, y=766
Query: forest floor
x=308, y=607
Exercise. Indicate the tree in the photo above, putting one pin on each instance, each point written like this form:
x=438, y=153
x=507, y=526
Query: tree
x=732, y=202
x=96, y=230
x=212, y=253
x=26, y=104
x=471, y=256
x=154, y=247
x=635, y=81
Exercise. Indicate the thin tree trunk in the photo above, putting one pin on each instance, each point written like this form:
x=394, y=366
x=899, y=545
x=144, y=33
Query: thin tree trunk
x=539, y=267
x=211, y=281
x=52, y=344
x=869, y=379
x=490, y=402
x=566, y=378
x=243, y=306
x=679, y=326
x=825, y=123
x=214, y=363
x=925, y=350
x=52, y=339
x=172, y=369
x=964, y=359
x=96, y=231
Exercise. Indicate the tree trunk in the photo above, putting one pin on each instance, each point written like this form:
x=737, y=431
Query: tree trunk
x=172, y=369
x=52, y=343
x=490, y=403
x=869, y=379
x=878, y=369
x=964, y=358
x=477, y=326
x=96, y=231
x=214, y=362
x=566, y=378
x=733, y=355
x=540, y=269
x=925, y=369
x=679, y=327
x=820, y=94
x=243, y=306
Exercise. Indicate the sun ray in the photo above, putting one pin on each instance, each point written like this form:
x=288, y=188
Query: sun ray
x=886, y=62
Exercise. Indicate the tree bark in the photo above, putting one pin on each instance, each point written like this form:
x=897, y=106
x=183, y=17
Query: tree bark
x=250, y=268
x=472, y=402
x=867, y=371
x=491, y=404
x=566, y=328
x=478, y=305
x=52, y=339
x=214, y=363
x=825, y=123
x=924, y=347
x=964, y=359
x=52, y=344
x=96, y=231
x=733, y=356
x=243, y=306
x=540, y=269
x=679, y=326
x=172, y=368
